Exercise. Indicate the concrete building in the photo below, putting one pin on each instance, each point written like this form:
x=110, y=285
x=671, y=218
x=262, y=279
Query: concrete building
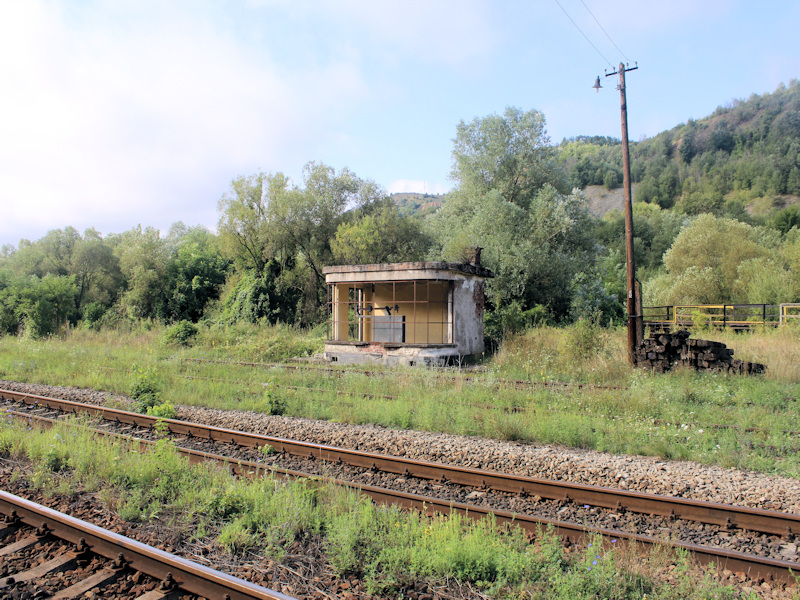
x=405, y=313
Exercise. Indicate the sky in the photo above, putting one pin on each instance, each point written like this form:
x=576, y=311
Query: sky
x=125, y=112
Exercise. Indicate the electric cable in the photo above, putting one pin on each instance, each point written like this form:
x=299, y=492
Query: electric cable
x=584, y=35
x=604, y=31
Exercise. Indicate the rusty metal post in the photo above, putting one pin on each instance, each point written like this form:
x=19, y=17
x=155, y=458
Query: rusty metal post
x=633, y=315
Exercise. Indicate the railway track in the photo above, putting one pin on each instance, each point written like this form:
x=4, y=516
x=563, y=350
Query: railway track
x=502, y=495
x=516, y=384
x=46, y=553
x=508, y=383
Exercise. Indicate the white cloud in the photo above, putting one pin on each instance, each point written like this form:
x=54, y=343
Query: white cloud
x=115, y=117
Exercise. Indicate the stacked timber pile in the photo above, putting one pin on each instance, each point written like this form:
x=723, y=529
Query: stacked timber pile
x=662, y=351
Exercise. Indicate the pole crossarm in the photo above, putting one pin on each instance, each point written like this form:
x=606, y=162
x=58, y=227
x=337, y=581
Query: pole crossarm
x=622, y=68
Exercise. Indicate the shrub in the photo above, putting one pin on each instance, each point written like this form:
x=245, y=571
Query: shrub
x=93, y=313
x=275, y=401
x=181, y=333
x=163, y=411
x=145, y=388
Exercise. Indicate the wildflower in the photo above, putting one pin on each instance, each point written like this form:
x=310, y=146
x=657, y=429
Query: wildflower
x=613, y=541
x=585, y=506
x=594, y=562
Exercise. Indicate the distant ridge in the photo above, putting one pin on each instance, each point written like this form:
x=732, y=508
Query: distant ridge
x=415, y=204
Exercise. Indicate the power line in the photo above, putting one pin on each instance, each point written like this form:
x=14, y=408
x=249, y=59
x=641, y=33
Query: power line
x=604, y=31
x=584, y=35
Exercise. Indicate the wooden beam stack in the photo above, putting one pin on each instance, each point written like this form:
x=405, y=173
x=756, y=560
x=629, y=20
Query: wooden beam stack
x=662, y=351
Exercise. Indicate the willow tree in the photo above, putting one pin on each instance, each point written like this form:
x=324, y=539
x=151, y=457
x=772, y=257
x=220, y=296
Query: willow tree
x=276, y=230
x=512, y=199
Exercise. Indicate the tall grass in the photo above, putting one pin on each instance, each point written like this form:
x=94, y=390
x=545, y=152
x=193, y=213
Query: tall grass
x=389, y=549
x=671, y=415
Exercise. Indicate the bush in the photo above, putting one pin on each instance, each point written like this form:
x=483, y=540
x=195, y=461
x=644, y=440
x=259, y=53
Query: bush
x=181, y=333
x=145, y=388
x=93, y=313
x=510, y=318
x=274, y=400
x=163, y=411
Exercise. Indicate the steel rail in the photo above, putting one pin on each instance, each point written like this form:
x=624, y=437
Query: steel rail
x=186, y=575
x=501, y=382
x=753, y=566
x=747, y=518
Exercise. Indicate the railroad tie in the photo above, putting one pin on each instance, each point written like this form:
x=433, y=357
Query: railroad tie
x=101, y=578
x=60, y=562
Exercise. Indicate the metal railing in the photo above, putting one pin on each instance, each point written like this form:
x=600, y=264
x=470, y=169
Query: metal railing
x=735, y=316
x=789, y=311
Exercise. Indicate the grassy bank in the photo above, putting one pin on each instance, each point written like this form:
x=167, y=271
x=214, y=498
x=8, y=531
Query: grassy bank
x=386, y=548
x=673, y=415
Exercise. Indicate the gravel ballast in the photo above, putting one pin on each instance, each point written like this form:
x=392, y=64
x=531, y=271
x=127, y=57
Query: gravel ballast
x=646, y=474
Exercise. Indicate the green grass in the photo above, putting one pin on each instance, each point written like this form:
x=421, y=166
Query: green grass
x=670, y=416
x=385, y=547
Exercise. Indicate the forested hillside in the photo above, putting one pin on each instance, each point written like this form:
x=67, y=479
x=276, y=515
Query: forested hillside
x=747, y=151
x=728, y=183
x=716, y=220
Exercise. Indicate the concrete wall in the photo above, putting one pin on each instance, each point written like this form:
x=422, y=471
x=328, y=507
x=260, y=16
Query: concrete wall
x=442, y=305
x=468, y=306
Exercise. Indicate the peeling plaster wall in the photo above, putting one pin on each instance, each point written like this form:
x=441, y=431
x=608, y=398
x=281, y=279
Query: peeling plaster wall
x=426, y=306
x=468, y=304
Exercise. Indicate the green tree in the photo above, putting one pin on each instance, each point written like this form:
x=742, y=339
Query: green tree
x=722, y=138
x=195, y=275
x=96, y=270
x=380, y=236
x=51, y=304
x=308, y=217
x=244, y=224
x=787, y=218
x=764, y=281
x=143, y=259
x=510, y=154
x=535, y=237
x=688, y=146
x=703, y=262
x=269, y=224
x=37, y=306
x=61, y=253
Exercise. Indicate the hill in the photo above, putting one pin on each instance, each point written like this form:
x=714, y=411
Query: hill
x=744, y=159
x=417, y=204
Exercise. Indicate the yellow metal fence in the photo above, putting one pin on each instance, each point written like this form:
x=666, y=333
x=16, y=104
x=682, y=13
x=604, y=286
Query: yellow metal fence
x=736, y=316
x=789, y=311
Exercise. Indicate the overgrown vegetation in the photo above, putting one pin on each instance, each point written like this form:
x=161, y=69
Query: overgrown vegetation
x=670, y=415
x=716, y=220
x=386, y=547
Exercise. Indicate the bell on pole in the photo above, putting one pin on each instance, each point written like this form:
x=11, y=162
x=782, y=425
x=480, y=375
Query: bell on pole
x=597, y=85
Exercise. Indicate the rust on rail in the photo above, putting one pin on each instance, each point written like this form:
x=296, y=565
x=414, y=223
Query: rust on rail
x=753, y=566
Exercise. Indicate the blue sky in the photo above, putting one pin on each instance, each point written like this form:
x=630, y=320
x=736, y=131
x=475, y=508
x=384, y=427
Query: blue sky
x=115, y=113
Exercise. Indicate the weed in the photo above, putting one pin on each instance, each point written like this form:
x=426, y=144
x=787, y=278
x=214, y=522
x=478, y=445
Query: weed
x=236, y=538
x=144, y=388
x=388, y=548
x=267, y=450
x=274, y=399
x=646, y=418
x=181, y=333
x=163, y=411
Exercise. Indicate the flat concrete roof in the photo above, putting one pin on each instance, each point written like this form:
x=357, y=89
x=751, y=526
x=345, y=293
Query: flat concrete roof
x=403, y=271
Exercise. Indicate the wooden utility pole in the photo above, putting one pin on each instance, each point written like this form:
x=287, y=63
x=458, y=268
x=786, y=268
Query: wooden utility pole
x=633, y=314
